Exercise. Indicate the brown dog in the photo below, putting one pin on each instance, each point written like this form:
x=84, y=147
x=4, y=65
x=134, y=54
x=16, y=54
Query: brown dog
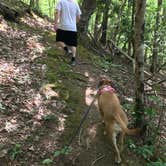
x=114, y=117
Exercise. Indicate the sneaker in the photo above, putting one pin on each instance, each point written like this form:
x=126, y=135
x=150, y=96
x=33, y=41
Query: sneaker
x=73, y=61
x=68, y=53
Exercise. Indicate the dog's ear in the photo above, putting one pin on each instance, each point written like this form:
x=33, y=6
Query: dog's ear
x=104, y=82
x=109, y=82
x=101, y=82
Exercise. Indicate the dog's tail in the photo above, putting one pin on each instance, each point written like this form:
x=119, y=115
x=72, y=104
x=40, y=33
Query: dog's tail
x=124, y=127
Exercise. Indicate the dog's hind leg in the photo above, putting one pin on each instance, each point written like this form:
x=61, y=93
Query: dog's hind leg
x=113, y=137
x=114, y=140
x=121, y=140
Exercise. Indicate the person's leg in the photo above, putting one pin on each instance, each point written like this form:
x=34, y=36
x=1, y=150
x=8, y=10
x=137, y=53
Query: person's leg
x=63, y=46
x=73, y=50
x=60, y=44
x=72, y=40
x=60, y=40
x=68, y=41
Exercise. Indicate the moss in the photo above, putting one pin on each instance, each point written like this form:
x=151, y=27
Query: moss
x=50, y=37
x=85, y=54
x=104, y=63
x=76, y=104
x=51, y=77
x=67, y=81
x=71, y=126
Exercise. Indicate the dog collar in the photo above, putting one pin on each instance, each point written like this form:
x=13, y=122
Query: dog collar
x=106, y=89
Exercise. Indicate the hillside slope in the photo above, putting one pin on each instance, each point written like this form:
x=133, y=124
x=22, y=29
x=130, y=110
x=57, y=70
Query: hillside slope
x=43, y=98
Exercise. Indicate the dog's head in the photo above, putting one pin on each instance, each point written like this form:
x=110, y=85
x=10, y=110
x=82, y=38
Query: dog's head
x=104, y=81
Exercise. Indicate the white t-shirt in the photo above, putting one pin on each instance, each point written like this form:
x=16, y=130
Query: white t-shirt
x=69, y=10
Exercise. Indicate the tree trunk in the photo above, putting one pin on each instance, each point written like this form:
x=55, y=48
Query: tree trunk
x=105, y=22
x=87, y=8
x=139, y=60
x=34, y=4
x=130, y=36
x=117, y=29
x=154, y=64
x=133, y=20
x=96, y=26
x=49, y=5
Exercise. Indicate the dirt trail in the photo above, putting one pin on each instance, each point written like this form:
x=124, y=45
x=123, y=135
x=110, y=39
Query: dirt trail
x=91, y=145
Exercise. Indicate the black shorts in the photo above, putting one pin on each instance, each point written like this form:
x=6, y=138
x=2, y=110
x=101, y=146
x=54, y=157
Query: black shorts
x=68, y=37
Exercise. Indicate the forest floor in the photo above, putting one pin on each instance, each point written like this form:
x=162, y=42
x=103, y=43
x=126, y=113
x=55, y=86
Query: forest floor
x=43, y=98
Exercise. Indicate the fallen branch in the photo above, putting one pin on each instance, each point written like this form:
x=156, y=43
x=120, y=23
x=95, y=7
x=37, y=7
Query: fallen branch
x=161, y=94
x=97, y=51
x=163, y=65
x=79, y=137
x=110, y=42
x=99, y=158
x=94, y=41
x=115, y=47
x=97, y=46
x=159, y=82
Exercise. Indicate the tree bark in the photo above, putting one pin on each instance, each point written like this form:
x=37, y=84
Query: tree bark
x=87, y=8
x=154, y=64
x=105, y=22
x=34, y=5
x=139, y=60
x=117, y=29
x=130, y=36
x=96, y=26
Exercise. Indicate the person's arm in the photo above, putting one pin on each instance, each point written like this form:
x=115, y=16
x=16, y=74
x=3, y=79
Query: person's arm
x=57, y=16
x=78, y=18
x=56, y=19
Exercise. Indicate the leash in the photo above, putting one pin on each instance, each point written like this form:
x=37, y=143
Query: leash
x=79, y=127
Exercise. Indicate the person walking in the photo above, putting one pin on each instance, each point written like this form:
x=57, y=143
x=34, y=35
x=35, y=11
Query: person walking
x=67, y=15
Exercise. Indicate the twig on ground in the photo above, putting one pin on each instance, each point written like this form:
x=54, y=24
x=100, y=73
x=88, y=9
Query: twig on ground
x=79, y=137
x=99, y=158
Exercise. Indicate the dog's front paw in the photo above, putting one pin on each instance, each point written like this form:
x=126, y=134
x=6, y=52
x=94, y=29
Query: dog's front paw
x=118, y=161
x=104, y=133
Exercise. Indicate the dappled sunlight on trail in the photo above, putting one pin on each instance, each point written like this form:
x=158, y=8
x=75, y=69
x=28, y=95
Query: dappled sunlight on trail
x=89, y=95
x=90, y=92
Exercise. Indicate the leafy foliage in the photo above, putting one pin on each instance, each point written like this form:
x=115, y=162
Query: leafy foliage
x=146, y=151
x=14, y=151
x=47, y=162
x=63, y=151
x=157, y=163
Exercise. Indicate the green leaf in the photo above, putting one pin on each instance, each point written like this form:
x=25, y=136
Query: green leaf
x=65, y=150
x=57, y=153
x=151, y=112
x=47, y=161
x=1, y=107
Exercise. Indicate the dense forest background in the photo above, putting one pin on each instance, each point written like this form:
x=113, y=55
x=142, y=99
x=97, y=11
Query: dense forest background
x=123, y=39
